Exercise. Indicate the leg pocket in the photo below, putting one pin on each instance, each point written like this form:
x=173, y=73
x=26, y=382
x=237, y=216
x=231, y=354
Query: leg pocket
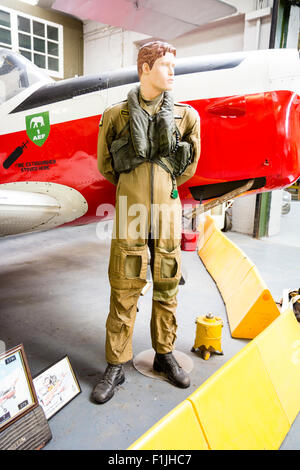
x=134, y=262
x=133, y=266
x=118, y=341
x=167, y=273
x=169, y=267
x=128, y=263
x=167, y=264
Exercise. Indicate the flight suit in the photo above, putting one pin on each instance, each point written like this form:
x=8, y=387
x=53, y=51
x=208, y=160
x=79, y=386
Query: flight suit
x=146, y=216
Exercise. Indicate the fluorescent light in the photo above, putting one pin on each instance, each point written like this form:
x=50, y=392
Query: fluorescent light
x=31, y=2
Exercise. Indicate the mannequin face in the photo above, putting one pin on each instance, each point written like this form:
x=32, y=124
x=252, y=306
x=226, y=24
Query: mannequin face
x=161, y=77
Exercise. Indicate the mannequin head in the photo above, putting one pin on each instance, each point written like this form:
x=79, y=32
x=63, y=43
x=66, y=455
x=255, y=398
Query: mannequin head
x=156, y=62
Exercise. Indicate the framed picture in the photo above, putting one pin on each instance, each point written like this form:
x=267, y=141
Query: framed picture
x=17, y=394
x=56, y=386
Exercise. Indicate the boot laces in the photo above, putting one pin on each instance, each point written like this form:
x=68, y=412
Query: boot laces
x=171, y=361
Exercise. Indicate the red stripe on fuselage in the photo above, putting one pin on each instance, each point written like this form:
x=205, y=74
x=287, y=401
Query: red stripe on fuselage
x=263, y=141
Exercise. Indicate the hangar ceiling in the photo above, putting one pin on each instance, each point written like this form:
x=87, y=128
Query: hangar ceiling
x=165, y=20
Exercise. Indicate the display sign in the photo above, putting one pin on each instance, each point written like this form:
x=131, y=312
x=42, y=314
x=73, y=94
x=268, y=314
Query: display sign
x=17, y=394
x=56, y=386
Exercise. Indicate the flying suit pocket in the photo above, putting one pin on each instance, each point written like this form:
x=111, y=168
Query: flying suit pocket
x=182, y=158
x=166, y=273
x=118, y=341
x=119, y=151
x=128, y=266
x=124, y=156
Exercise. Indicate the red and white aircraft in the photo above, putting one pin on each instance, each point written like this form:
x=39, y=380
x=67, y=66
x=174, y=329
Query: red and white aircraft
x=248, y=102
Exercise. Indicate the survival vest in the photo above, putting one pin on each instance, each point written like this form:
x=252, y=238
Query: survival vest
x=151, y=138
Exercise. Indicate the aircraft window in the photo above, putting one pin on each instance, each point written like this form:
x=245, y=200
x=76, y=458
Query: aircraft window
x=17, y=74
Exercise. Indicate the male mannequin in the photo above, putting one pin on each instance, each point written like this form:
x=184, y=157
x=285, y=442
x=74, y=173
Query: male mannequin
x=147, y=145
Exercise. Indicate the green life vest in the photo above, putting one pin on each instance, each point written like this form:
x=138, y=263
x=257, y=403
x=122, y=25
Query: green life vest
x=151, y=138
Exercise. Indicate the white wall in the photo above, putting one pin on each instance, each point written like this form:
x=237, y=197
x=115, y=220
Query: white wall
x=226, y=36
x=107, y=47
x=293, y=31
x=275, y=213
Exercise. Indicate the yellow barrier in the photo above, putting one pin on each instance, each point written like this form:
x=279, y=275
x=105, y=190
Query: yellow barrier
x=179, y=429
x=249, y=304
x=238, y=406
x=249, y=403
x=279, y=346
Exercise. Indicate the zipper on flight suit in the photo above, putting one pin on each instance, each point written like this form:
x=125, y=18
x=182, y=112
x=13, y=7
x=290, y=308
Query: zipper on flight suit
x=151, y=178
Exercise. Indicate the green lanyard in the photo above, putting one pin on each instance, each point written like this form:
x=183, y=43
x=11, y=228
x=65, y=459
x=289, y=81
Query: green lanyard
x=166, y=166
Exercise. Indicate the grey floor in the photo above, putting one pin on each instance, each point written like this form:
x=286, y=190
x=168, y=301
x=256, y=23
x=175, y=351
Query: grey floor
x=54, y=296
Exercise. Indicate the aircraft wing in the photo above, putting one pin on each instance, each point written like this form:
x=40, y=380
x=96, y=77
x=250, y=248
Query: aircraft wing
x=164, y=20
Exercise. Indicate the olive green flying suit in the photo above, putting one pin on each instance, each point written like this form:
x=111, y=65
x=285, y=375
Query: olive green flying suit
x=146, y=215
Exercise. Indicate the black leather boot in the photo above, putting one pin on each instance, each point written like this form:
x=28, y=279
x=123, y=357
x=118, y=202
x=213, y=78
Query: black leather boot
x=167, y=364
x=113, y=376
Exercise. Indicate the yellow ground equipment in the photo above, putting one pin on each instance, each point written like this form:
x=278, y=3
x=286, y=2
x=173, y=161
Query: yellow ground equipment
x=294, y=297
x=208, y=335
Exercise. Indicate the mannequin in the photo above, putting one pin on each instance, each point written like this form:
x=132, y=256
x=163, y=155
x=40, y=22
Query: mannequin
x=147, y=146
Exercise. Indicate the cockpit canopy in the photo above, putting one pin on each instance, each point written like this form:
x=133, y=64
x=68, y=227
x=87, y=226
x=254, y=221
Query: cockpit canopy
x=17, y=73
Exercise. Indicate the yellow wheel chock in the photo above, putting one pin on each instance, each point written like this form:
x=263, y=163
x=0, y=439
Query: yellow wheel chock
x=208, y=335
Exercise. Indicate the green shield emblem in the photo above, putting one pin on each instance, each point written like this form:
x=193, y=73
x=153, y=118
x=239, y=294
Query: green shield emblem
x=38, y=127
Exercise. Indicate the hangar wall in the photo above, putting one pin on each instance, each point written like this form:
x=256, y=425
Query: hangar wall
x=107, y=47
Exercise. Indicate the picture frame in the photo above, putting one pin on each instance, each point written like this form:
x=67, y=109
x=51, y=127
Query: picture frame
x=56, y=386
x=17, y=393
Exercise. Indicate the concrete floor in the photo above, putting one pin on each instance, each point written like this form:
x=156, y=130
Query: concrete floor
x=54, y=296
